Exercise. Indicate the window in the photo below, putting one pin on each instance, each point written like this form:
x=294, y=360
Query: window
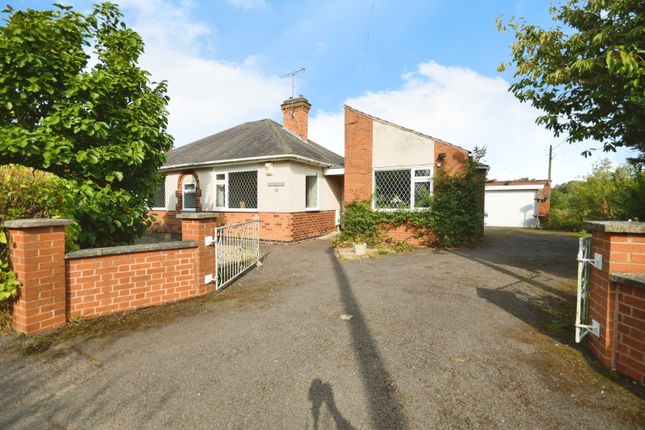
x=422, y=188
x=311, y=191
x=188, y=196
x=160, y=195
x=236, y=190
x=220, y=190
x=402, y=188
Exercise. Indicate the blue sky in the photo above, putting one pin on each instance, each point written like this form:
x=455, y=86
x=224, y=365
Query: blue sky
x=428, y=65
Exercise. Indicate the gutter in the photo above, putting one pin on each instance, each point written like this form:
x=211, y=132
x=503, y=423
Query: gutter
x=247, y=160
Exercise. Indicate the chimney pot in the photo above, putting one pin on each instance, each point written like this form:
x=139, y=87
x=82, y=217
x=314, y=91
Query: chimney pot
x=296, y=115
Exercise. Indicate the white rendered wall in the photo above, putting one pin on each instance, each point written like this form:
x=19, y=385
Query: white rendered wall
x=394, y=147
x=281, y=187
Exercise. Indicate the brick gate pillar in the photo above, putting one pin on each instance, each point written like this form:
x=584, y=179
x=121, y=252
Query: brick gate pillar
x=622, y=246
x=37, y=252
x=196, y=226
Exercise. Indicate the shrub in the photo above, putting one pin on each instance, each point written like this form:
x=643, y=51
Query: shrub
x=29, y=193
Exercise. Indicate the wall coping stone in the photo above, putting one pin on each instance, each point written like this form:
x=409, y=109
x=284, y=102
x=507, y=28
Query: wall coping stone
x=128, y=249
x=36, y=223
x=636, y=280
x=197, y=215
x=616, y=226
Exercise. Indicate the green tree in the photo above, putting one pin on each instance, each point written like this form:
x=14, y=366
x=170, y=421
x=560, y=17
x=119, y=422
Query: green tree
x=586, y=75
x=74, y=102
x=605, y=194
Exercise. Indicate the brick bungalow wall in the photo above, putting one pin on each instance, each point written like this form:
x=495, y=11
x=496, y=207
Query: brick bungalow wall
x=408, y=234
x=283, y=227
x=358, y=156
x=619, y=305
x=358, y=169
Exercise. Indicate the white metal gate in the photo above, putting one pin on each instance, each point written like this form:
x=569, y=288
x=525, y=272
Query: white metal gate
x=584, y=278
x=237, y=249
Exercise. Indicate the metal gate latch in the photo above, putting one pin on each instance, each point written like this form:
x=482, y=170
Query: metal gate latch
x=596, y=261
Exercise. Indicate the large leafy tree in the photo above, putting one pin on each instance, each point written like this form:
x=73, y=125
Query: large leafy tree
x=587, y=74
x=74, y=102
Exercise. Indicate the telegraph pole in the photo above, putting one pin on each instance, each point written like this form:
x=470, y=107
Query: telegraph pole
x=550, y=160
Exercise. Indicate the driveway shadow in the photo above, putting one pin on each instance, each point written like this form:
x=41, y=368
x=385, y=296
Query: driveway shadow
x=551, y=254
x=385, y=409
x=532, y=260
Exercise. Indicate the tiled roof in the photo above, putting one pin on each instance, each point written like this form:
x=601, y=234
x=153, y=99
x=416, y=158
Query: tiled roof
x=264, y=138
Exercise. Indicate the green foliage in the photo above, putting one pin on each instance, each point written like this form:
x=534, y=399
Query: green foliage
x=455, y=214
x=8, y=283
x=458, y=209
x=29, y=193
x=605, y=194
x=97, y=122
x=587, y=76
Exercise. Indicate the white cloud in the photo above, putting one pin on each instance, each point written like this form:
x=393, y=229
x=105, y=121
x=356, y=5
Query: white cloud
x=206, y=95
x=248, y=4
x=463, y=107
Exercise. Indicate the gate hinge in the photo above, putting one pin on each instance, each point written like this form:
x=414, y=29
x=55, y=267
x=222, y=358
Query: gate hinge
x=208, y=279
x=209, y=241
x=596, y=261
x=594, y=329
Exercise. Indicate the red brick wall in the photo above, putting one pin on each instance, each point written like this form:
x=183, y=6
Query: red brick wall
x=456, y=158
x=37, y=257
x=308, y=225
x=276, y=226
x=630, y=332
x=115, y=283
x=55, y=285
x=621, y=253
x=165, y=222
x=298, y=123
x=408, y=234
x=358, y=156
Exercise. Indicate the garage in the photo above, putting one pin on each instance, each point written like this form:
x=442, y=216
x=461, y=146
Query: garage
x=509, y=204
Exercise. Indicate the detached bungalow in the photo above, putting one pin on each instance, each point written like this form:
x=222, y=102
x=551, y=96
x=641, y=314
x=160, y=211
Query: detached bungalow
x=259, y=168
x=295, y=186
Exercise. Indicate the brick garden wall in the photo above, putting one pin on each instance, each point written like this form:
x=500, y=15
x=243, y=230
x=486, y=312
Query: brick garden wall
x=630, y=330
x=619, y=308
x=106, y=284
x=165, y=222
x=92, y=282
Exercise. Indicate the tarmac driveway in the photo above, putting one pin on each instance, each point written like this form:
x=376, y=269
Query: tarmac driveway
x=466, y=339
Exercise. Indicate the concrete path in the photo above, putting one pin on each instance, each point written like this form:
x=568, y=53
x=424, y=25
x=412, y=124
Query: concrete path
x=474, y=339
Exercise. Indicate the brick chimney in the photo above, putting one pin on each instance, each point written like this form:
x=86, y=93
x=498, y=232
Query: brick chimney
x=296, y=115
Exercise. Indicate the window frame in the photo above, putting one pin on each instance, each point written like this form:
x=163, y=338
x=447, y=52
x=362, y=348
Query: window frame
x=317, y=175
x=221, y=182
x=183, y=196
x=165, y=198
x=226, y=184
x=413, y=180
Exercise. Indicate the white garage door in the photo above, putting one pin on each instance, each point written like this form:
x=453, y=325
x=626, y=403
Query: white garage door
x=510, y=208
